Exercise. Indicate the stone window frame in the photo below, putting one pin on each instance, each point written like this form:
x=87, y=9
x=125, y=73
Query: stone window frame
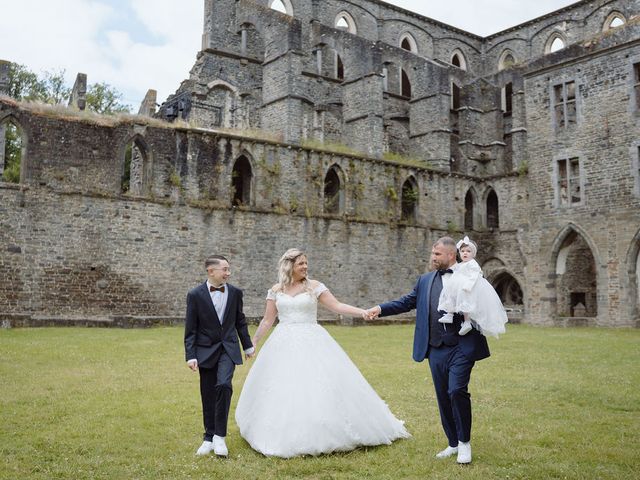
x=287, y=6
x=615, y=14
x=341, y=191
x=635, y=167
x=412, y=43
x=503, y=56
x=24, y=140
x=414, y=203
x=558, y=201
x=565, y=102
x=634, y=85
x=352, y=27
x=555, y=35
x=485, y=202
x=251, y=181
x=462, y=59
x=506, y=99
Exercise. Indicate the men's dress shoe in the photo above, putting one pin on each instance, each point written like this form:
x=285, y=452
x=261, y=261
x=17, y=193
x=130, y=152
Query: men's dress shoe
x=447, y=452
x=464, y=452
x=205, y=448
x=219, y=446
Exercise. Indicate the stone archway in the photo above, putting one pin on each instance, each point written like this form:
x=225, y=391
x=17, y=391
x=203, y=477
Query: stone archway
x=576, y=278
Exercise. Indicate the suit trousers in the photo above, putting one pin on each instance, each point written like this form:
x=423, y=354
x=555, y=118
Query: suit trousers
x=215, y=391
x=451, y=372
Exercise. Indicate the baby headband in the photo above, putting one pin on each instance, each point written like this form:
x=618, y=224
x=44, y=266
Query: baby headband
x=467, y=241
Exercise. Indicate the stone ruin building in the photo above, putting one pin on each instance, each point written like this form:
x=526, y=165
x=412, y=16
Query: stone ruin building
x=360, y=132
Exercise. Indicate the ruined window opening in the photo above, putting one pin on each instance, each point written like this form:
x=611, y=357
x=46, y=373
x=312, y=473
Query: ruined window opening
x=564, y=104
x=636, y=84
x=344, y=21
x=468, y=211
x=407, y=42
x=507, y=99
x=555, y=43
x=614, y=20
x=568, y=182
x=577, y=299
x=508, y=289
x=241, y=182
x=282, y=6
x=406, y=85
x=458, y=60
x=507, y=60
x=455, y=96
x=493, y=214
x=11, y=151
x=333, y=191
x=339, y=68
x=133, y=178
x=409, y=202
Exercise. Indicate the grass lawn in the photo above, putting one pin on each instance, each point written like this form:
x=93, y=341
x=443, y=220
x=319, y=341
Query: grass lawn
x=105, y=403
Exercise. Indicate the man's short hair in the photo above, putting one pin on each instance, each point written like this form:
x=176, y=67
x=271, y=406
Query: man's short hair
x=214, y=260
x=446, y=242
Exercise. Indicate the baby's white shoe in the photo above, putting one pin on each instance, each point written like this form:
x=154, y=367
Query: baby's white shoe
x=465, y=328
x=446, y=318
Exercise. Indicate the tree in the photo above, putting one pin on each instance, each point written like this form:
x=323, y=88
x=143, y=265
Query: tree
x=103, y=98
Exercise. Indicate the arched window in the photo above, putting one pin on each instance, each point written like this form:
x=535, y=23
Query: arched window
x=409, y=200
x=507, y=60
x=135, y=171
x=576, y=279
x=614, y=20
x=458, y=59
x=334, y=190
x=12, y=147
x=493, y=216
x=282, y=6
x=407, y=42
x=468, y=210
x=508, y=289
x=344, y=21
x=241, y=177
x=554, y=43
x=405, y=90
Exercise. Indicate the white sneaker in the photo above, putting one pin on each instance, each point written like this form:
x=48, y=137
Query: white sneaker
x=219, y=446
x=465, y=328
x=447, y=452
x=464, y=452
x=205, y=448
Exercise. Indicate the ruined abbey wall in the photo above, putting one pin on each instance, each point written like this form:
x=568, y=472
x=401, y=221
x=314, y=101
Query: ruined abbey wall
x=360, y=143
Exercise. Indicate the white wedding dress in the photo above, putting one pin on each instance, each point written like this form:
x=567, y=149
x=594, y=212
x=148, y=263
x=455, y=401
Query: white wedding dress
x=304, y=396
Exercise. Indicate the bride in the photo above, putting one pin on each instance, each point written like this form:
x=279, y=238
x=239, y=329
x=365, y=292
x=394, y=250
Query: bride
x=304, y=395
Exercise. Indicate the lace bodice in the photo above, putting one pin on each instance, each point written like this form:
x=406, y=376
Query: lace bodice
x=303, y=308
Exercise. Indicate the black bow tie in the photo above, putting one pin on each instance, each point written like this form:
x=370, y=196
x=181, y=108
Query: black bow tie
x=442, y=272
x=216, y=289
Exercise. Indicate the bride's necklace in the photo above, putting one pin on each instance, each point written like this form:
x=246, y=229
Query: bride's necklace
x=293, y=287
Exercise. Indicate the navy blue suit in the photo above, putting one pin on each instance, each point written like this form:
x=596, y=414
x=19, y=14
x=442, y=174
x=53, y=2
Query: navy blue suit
x=451, y=356
x=217, y=350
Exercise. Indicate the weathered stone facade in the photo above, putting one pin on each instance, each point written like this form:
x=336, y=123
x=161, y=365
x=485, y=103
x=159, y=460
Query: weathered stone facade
x=362, y=143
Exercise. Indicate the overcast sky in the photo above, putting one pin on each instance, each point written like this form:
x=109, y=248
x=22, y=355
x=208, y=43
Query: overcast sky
x=135, y=45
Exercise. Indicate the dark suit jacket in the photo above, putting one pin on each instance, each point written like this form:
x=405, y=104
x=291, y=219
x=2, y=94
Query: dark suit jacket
x=204, y=337
x=473, y=344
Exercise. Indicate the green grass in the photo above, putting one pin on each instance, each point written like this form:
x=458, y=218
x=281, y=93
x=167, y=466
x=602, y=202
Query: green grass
x=105, y=403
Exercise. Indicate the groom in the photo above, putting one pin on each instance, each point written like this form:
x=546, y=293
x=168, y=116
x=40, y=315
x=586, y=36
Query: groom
x=213, y=323
x=451, y=356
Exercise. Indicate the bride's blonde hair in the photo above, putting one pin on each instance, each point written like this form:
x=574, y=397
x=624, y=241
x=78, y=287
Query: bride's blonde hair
x=285, y=268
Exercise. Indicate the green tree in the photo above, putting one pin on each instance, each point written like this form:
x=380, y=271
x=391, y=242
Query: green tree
x=103, y=98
